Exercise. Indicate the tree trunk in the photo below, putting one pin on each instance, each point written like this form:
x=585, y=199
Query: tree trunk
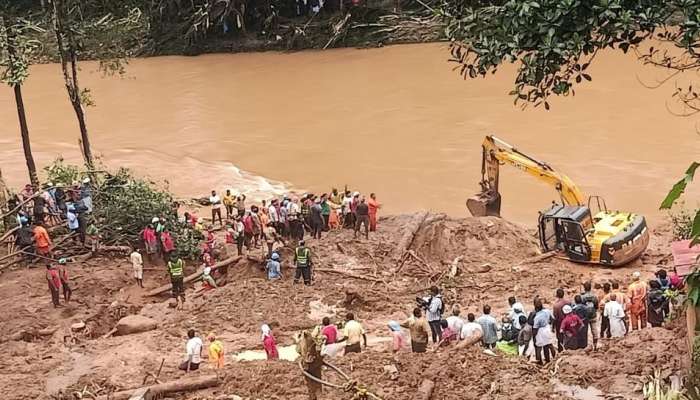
x=26, y=145
x=184, y=384
x=24, y=129
x=66, y=52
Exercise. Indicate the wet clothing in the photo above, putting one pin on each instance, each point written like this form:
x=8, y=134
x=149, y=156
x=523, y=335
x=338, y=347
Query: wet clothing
x=273, y=270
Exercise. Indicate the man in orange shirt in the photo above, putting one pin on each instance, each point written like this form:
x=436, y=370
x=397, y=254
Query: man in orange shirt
x=42, y=240
x=637, y=294
x=374, y=206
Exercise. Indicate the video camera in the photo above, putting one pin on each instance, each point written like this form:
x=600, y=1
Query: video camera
x=423, y=302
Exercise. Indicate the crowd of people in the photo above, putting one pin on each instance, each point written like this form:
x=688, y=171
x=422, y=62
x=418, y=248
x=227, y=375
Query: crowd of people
x=606, y=311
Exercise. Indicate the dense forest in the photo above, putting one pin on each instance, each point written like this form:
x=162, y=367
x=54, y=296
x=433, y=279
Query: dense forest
x=151, y=27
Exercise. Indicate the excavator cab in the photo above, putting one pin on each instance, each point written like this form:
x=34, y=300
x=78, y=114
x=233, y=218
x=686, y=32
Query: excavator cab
x=565, y=229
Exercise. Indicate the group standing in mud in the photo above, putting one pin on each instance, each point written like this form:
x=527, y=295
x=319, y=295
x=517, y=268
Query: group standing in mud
x=566, y=326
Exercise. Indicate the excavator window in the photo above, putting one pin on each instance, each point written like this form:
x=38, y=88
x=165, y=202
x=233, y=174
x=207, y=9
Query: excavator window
x=548, y=233
x=575, y=241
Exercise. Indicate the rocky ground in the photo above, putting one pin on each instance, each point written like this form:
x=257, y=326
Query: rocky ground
x=475, y=261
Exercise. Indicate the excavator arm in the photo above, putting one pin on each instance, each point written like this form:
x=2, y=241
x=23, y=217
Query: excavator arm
x=495, y=153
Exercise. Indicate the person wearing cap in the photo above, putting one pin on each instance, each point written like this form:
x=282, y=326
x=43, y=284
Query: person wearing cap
x=137, y=265
x=216, y=352
x=273, y=267
x=637, y=294
x=302, y=260
x=86, y=194
x=215, y=202
x=63, y=275
x=569, y=328
x=616, y=315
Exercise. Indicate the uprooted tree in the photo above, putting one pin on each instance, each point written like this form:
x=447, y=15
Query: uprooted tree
x=124, y=204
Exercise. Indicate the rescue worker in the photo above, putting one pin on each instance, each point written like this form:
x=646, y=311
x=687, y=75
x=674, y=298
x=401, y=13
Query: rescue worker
x=176, y=268
x=637, y=294
x=302, y=259
x=63, y=275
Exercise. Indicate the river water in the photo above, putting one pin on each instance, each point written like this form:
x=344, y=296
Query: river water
x=396, y=121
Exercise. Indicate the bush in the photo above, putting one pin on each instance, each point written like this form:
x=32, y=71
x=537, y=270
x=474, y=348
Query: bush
x=682, y=222
x=123, y=205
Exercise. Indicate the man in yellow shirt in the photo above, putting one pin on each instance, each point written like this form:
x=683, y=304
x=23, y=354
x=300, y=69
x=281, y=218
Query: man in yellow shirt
x=216, y=352
x=229, y=200
x=420, y=331
x=353, y=333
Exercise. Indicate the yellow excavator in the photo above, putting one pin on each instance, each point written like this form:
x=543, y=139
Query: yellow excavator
x=610, y=238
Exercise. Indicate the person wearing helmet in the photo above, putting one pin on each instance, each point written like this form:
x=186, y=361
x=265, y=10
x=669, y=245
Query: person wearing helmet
x=273, y=267
x=302, y=260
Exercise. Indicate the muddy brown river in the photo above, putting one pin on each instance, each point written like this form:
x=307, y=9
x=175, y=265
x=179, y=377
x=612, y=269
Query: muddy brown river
x=396, y=121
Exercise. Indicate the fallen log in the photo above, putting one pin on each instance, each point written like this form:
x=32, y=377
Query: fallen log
x=349, y=275
x=120, y=249
x=425, y=391
x=195, y=276
x=186, y=384
x=410, y=234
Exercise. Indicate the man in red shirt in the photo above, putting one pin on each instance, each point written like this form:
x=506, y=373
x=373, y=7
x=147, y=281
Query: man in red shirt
x=570, y=326
x=54, y=281
x=329, y=331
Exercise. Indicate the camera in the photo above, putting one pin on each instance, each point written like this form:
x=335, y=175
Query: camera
x=423, y=302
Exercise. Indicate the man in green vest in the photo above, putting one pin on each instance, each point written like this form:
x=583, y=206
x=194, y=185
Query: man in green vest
x=176, y=268
x=302, y=259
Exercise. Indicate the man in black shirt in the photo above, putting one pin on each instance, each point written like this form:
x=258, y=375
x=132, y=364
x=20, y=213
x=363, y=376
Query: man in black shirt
x=362, y=213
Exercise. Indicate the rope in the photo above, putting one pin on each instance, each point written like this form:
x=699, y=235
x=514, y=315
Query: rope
x=360, y=391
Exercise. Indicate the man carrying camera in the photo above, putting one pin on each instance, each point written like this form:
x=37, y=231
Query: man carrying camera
x=434, y=307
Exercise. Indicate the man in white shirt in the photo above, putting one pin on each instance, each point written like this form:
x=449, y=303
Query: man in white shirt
x=137, y=264
x=616, y=315
x=454, y=322
x=194, y=352
x=471, y=332
x=215, y=202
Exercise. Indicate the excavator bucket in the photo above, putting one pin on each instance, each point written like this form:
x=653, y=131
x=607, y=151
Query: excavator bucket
x=486, y=203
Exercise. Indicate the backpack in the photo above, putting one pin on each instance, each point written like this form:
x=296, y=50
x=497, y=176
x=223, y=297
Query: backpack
x=589, y=303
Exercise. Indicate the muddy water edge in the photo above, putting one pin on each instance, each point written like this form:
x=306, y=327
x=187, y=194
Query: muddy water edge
x=396, y=120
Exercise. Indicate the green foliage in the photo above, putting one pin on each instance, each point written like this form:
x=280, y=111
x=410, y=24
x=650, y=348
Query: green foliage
x=60, y=173
x=123, y=205
x=682, y=222
x=554, y=41
x=675, y=193
x=16, y=47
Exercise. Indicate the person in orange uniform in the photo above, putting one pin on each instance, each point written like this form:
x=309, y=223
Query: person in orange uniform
x=374, y=206
x=637, y=294
x=42, y=240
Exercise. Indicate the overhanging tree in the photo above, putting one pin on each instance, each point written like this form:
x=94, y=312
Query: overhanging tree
x=14, y=70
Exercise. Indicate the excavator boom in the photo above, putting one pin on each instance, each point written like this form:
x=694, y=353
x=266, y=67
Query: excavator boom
x=495, y=153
